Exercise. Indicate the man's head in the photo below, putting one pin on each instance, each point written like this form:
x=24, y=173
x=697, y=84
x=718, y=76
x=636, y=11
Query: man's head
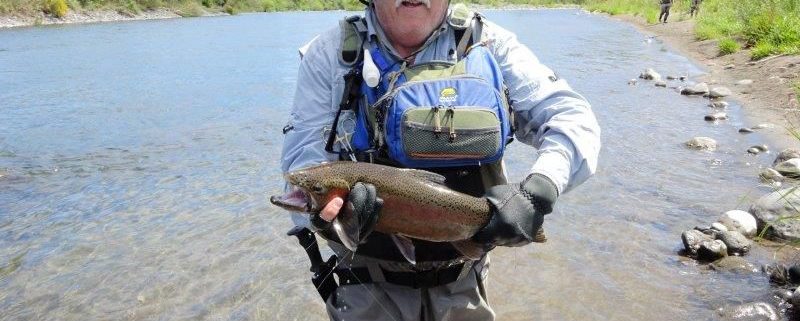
x=408, y=23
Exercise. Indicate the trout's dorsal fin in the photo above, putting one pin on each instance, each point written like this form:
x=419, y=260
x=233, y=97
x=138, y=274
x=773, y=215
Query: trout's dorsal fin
x=425, y=175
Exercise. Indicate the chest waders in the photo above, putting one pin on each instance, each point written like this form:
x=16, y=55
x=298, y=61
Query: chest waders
x=441, y=125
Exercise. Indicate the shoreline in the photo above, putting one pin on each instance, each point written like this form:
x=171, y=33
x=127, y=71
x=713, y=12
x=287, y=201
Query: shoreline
x=19, y=21
x=769, y=99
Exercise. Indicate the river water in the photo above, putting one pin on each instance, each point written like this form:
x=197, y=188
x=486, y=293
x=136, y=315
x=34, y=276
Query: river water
x=136, y=160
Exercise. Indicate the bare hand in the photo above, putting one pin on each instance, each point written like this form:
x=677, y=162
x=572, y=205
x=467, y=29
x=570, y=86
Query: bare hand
x=331, y=209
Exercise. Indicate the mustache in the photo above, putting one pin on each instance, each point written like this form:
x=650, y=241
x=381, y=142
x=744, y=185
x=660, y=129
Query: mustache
x=427, y=3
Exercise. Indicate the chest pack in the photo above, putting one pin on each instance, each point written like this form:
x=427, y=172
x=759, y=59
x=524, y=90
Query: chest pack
x=428, y=115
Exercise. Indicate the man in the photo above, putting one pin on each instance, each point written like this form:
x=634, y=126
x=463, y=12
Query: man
x=695, y=8
x=665, y=6
x=377, y=282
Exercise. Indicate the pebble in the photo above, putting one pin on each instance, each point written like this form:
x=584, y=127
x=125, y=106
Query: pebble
x=650, y=74
x=697, y=89
x=729, y=66
x=661, y=83
x=745, y=130
x=718, y=104
x=671, y=77
x=632, y=82
x=763, y=126
x=744, y=82
x=757, y=149
x=701, y=143
x=716, y=116
x=718, y=92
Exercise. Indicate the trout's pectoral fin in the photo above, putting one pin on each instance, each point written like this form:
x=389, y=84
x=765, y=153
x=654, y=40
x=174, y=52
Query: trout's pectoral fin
x=406, y=247
x=470, y=249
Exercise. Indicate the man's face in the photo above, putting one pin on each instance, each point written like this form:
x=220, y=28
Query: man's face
x=408, y=23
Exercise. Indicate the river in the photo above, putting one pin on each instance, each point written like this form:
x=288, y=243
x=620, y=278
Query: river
x=136, y=161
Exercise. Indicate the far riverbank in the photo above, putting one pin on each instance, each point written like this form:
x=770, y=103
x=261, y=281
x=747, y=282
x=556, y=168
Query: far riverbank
x=770, y=98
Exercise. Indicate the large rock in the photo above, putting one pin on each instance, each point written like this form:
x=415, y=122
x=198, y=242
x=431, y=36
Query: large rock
x=770, y=175
x=754, y=311
x=736, y=243
x=786, y=154
x=739, y=221
x=789, y=168
x=650, y=74
x=711, y=251
x=734, y=264
x=719, y=92
x=779, y=211
x=697, y=89
x=692, y=239
x=702, y=143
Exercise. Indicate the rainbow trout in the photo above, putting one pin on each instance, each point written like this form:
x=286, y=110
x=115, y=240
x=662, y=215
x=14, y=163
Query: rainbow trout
x=416, y=204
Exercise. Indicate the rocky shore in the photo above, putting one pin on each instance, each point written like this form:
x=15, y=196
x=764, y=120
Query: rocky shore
x=763, y=87
x=72, y=17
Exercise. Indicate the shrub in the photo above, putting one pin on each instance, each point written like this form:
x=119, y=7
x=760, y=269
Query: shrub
x=728, y=46
x=762, y=50
x=57, y=8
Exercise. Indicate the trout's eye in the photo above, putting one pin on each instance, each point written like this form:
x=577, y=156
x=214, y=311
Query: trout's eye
x=317, y=189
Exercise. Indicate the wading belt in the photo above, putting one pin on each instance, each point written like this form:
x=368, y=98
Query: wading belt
x=417, y=280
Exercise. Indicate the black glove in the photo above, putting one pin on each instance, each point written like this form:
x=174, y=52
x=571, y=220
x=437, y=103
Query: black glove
x=517, y=211
x=360, y=211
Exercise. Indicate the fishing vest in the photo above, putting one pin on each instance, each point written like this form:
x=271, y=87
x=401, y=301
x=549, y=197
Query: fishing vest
x=430, y=115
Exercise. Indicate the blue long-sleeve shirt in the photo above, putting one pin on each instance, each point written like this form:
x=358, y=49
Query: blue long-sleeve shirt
x=548, y=114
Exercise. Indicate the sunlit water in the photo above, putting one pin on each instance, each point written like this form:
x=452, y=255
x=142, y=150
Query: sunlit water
x=136, y=161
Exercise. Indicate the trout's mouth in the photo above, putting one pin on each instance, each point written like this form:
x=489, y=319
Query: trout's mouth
x=296, y=200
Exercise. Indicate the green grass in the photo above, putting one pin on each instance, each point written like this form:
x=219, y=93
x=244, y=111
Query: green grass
x=796, y=88
x=728, y=46
x=767, y=27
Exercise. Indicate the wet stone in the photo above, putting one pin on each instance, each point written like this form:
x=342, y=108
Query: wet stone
x=719, y=227
x=718, y=104
x=711, y=250
x=739, y=221
x=701, y=143
x=783, y=294
x=773, y=208
x=744, y=82
x=786, y=154
x=718, y=92
x=763, y=126
x=736, y=243
x=692, y=239
x=733, y=264
x=745, y=130
x=789, y=168
x=757, y=149
x=632, y=82
x=661, y=83
x=770, y=174
x=755, y=311
x=697, y=89
x=670, y=77
x=716, y=116
x=650, y=74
